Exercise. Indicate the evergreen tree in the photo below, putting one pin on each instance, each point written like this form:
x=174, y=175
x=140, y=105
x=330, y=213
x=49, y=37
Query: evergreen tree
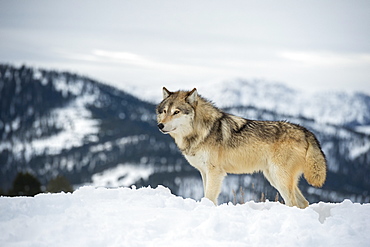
x=25, y=184
x=59, y=184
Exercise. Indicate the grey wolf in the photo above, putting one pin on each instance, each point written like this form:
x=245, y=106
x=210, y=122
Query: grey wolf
x=217, y=143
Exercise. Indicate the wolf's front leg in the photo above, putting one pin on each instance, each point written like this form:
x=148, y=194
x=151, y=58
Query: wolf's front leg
x=213, y=184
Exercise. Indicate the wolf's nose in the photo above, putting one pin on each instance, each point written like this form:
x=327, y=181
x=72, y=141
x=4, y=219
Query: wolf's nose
x=160, y=126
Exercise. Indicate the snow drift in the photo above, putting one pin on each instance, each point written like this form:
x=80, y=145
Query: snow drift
x=155, y=217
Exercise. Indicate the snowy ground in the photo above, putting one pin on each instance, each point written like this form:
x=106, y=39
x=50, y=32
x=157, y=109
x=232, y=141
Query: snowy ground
x=155, y=217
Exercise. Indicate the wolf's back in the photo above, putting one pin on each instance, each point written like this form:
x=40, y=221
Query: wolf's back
x=315, y=168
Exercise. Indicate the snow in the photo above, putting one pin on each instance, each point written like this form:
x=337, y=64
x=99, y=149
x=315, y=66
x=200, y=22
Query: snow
x=37, y=75
x=61, y=84
x=363, y=129
x=154, y=217
x=357, y=150
x=122, y=175
x=76, y=123
x=74, y=120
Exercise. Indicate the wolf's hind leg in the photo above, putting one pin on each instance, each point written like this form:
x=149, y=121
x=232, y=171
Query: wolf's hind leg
x=287, y=194
x=292, y=194
x=301, y=200
x=284, y=184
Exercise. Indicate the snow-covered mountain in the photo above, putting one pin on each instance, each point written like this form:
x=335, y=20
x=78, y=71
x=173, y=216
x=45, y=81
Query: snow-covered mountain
x=54, y=123
x=339, y=108
x=59, y=123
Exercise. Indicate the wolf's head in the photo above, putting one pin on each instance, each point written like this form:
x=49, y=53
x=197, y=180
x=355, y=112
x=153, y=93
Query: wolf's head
x=175, y=113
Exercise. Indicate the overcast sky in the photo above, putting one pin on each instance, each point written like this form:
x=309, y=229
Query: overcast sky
x=309, y=45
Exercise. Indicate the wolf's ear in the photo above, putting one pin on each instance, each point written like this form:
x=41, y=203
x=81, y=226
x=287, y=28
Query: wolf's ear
x=166, y=93
x=192, y=96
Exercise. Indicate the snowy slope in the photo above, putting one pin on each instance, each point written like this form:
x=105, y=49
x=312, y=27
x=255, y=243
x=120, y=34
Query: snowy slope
x=56, y=123
x=339, y=108
x=155, y=217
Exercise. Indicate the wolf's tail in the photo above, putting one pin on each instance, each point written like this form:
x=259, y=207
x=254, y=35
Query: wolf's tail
x=315, y=168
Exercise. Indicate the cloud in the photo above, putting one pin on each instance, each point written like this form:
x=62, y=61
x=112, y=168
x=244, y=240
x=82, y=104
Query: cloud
x=325, y=58
x=124, y=57
x=132, y=59
x=120, y=58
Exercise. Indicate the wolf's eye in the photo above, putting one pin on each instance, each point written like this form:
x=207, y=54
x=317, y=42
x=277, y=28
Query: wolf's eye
x=176, y=112
x=164, y=111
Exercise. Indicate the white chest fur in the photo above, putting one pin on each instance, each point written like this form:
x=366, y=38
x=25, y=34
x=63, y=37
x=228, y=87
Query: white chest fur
x=199, y=160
